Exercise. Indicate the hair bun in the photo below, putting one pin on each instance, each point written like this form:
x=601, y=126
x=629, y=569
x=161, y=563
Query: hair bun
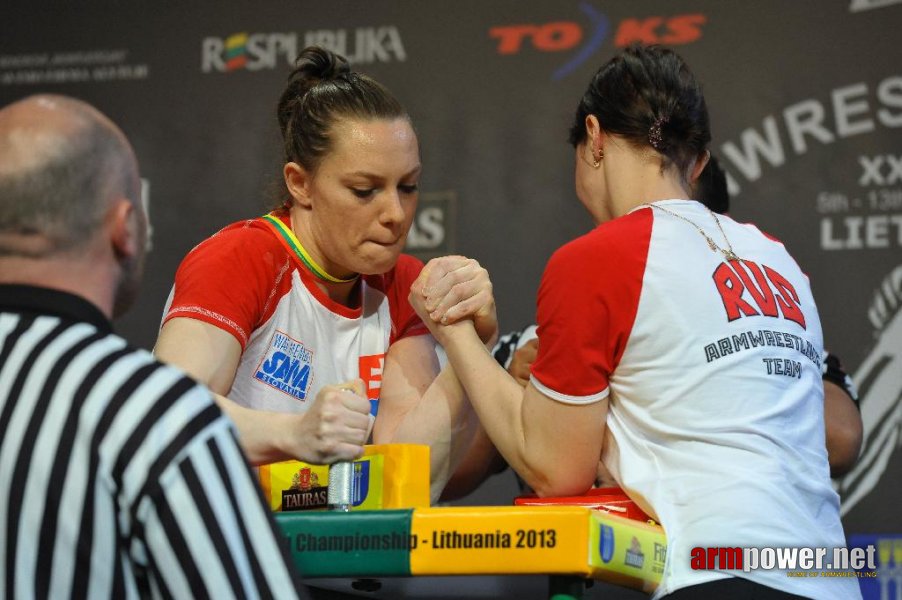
x=320, y=90
x=315, y=64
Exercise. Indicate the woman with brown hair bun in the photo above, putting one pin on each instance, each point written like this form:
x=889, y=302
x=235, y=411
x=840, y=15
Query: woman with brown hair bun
x=296, y=319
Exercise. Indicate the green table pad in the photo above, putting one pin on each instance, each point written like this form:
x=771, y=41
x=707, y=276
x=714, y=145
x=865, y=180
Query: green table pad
x=349, y=544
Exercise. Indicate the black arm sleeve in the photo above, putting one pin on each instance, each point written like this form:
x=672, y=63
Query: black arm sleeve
x=833, y=372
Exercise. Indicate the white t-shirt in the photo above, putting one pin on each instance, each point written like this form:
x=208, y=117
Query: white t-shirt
x=712, y=370
x=248, y=281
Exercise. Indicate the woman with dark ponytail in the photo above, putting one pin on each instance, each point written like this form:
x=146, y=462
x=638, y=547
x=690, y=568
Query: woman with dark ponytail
x=300, y=320
x=681, y=347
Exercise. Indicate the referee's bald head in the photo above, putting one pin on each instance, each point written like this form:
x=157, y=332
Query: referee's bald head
x=62, y=163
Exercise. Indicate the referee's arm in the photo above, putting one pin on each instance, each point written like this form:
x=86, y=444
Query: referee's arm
x=206, y=527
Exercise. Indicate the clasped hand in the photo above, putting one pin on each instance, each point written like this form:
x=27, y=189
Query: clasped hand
x=452, y=289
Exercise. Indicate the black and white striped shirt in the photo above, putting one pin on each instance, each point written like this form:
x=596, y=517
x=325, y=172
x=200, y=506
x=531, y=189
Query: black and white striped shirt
x=119, y=476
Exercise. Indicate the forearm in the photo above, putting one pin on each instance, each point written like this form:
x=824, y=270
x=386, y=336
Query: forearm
x=554, y=447
x=258, y=431
x=480, y=462
x=496, y=397
x=442, y=419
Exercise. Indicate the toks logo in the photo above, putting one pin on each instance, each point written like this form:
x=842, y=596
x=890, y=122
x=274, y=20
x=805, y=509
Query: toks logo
x=566, y=35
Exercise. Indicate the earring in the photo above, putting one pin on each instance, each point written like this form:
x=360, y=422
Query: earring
x=596, y=162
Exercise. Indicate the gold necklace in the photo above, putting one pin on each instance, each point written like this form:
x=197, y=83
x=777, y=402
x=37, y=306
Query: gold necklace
x=727, y=252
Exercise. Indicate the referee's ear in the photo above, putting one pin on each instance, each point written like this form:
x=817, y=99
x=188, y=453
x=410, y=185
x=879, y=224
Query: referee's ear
x=125, y=228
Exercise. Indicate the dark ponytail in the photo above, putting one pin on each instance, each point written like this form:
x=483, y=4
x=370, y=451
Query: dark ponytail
x=648, y=95
x=321, y=90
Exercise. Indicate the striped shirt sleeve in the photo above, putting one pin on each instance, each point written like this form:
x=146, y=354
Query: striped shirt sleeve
x=202, y=517
x=123, y=478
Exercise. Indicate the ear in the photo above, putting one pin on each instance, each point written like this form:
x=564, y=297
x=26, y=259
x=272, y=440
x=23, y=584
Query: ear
x=125, y=226
x=596, y=135
x=699, y=166
x=298, y=180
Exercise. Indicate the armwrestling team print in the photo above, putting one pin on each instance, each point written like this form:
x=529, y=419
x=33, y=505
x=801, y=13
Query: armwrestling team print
x=748, y=289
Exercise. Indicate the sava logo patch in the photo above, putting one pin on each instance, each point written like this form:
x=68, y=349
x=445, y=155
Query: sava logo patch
x=287, y=366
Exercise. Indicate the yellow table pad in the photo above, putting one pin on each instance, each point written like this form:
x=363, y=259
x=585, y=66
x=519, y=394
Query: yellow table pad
x=500, y=539
x=554, y=540
x=626, y=551
x=387, y=476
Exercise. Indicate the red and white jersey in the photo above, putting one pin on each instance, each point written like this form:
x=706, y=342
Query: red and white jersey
x=248, y=281
x=712, y=369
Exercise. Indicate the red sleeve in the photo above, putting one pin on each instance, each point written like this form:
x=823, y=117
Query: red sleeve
x=587, y=303
x=405, y=322
x=229, y=279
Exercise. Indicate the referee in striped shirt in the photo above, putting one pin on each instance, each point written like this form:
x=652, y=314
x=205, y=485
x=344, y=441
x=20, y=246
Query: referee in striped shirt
x=119, y=476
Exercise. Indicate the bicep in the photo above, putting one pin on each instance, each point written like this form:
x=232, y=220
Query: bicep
x=204, y=351
x=411, y=365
